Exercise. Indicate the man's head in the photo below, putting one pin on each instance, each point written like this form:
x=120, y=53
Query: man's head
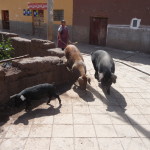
x=63, y=22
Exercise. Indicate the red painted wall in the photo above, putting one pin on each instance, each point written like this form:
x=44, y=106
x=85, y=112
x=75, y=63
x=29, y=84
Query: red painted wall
x=117, y=11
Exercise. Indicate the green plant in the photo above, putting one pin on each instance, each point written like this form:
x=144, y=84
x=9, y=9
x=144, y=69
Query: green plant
x=6, y=49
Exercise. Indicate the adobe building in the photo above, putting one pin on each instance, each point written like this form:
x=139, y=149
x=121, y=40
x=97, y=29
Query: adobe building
x=114, y=23
x=30, y=17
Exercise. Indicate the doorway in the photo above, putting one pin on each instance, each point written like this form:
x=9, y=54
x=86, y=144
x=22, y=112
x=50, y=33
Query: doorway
x=98, y=31
x=5, y=19
x=38, y=21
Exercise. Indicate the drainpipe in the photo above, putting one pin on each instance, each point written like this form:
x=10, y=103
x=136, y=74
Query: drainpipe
x=50, y=20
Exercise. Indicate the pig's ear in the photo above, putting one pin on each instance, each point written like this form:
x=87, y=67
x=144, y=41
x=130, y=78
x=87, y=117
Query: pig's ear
x=13, y=96
x=114, y=77
x=69, y=69
x=101, y=76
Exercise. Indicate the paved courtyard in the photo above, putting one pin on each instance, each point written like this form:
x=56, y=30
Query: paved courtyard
x=90, y=120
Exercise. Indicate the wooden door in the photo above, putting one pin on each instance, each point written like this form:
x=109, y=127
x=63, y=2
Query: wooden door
x=98, y=31
x=38, y=21
x=5, y=19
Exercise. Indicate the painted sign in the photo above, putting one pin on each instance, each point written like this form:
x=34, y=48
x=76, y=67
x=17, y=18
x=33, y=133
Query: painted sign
x=37, y=6
x=35, y=13
x=27, y=12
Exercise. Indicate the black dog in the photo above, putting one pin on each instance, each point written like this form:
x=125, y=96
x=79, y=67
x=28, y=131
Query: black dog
x=34, y=93
x=104, y=69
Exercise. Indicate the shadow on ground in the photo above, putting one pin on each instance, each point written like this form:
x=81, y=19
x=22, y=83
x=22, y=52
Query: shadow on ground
x=9, y=109
x=37, y=113
x=117, y=99
x=114, y=99
x=110, y=100
x=86, y=95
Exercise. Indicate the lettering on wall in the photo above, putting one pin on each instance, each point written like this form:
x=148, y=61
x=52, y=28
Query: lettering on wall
x=36, y=6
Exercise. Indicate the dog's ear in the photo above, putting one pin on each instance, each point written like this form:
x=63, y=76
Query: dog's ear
x=114, y=77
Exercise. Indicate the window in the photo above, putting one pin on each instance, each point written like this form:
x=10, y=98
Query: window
x=38, y=18
x=58, y=15
x=135, y=23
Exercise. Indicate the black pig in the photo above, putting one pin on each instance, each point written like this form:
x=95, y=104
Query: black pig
x=34, y=93
x=104, y=69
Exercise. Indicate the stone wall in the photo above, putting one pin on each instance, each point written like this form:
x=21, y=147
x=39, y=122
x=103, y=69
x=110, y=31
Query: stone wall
x=22, y=46
x=123, y=37
x=39, y=47
x=32, y=71
x=7, y=35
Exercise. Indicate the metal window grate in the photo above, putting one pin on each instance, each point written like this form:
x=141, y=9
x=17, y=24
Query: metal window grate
x=58, y=15
x=135, y=22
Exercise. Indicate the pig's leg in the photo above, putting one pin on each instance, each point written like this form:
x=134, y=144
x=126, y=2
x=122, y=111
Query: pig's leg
x=96, y=70
x=96, y=75
x=49, y=99
x=108, y=91
x=28, y=104
x=57, y=96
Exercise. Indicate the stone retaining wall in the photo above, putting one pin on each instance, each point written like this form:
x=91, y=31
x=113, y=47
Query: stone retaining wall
x=32, y=71
x=22, y=46
x=6, y=35
x=39, y=47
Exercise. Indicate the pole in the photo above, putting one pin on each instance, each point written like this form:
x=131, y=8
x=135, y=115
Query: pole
x=50, y=20
x=6, y=60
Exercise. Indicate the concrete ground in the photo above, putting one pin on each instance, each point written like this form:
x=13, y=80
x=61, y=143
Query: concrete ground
x=90, y=120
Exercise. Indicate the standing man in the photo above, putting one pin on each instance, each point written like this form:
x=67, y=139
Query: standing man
x=63, y=35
